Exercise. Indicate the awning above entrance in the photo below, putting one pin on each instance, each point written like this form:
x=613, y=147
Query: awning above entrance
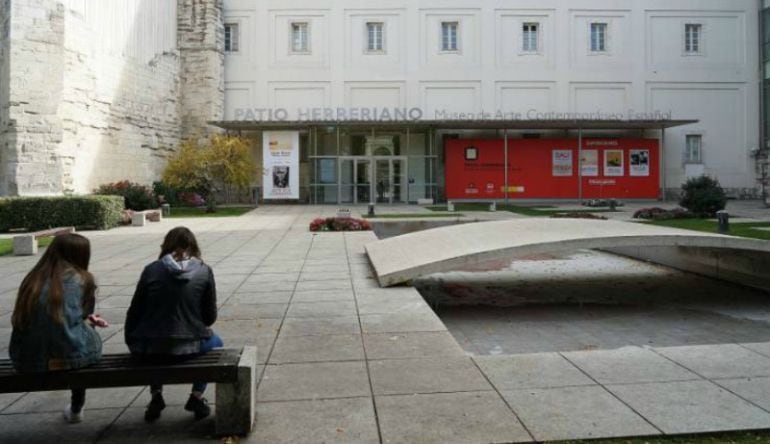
x=469, y=124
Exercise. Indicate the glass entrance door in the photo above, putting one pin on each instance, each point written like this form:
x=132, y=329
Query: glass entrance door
x=363, y=181
x=390, y=180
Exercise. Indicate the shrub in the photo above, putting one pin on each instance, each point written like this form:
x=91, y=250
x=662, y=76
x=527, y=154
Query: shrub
x=137, y=197
x=191, y=199
x=39, y=213
x=703, y=196
x=340, y=224
x=165, y=193
x=224, y=162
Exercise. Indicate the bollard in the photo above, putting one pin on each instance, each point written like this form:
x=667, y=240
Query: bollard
x=450, y=206
x=723, y=221
x=613, y=204
x=371, y=210
x=165, y=210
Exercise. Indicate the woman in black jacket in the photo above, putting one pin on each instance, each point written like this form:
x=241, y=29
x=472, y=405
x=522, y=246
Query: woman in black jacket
x=173, y=308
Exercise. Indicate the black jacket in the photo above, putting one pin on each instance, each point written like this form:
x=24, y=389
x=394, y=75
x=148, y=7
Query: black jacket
x=172, y=309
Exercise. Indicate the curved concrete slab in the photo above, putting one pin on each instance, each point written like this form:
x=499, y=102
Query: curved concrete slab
x=400, y=259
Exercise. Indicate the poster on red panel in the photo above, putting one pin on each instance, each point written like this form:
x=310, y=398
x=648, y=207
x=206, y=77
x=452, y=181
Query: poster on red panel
x=552, y=169
x=561, y=163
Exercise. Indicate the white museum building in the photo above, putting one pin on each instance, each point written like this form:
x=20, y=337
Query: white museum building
x=393, y=101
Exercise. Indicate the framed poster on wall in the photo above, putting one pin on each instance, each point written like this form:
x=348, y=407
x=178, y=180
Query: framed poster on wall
x=613, y=163
x=561, y=163
x=589, y=163
x=280, y=156
x=640, y=163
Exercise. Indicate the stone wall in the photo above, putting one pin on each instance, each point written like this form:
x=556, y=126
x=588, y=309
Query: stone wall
x=95, y=91
x=202, y=76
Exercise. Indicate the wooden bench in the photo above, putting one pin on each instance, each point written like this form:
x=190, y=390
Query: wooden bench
x=450, y=206
x=26, y=244
x=234, y=372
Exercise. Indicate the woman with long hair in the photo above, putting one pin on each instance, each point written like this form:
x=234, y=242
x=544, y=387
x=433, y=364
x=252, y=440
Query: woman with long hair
x=171, y=314
x=53, y=320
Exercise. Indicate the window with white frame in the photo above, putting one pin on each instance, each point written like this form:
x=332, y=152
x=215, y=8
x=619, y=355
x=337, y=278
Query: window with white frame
x=232, y=37
x=693, y=150
x=300, y=37
x=530, y=37
x=450, y=36
x=598, y=37
x=375, y=37
x=692, y=38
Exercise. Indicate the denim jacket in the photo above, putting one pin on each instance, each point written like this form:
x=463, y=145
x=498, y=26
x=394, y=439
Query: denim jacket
x=47, y=345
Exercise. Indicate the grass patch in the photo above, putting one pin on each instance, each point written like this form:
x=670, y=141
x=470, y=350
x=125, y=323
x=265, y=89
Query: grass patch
x=727, y=438
x=178, y=212
x=6, y=245
x=534, y=211
x=742, y=229
x=412, y=215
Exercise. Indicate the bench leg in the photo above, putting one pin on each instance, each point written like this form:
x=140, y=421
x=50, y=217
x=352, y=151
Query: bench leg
x=236, y=403
x=24, y=245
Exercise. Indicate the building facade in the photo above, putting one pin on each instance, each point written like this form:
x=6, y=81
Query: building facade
x=100, y=91
x=527, y=60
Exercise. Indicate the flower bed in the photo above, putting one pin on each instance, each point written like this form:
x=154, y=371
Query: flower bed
x=656, y=213
x=340, y=224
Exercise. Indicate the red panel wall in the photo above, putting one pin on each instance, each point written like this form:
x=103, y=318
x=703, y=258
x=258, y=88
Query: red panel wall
x=548, y=168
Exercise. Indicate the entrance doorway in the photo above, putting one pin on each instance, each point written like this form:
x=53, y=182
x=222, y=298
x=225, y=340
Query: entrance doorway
x=375, y=179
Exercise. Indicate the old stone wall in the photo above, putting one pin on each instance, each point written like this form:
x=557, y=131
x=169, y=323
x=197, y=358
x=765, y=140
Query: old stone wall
x=93, y=94
x=202, y=77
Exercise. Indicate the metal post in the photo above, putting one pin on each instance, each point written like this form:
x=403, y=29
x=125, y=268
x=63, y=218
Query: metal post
x=580, y=165
x=505, y=156
x=662, y=162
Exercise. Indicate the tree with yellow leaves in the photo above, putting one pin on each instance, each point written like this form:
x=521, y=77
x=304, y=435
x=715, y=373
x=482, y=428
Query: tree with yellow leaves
x=223, y=162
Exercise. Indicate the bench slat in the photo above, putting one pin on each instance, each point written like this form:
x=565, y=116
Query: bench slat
x=123, y=370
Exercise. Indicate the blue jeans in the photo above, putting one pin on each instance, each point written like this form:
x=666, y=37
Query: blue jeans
x=206, y=346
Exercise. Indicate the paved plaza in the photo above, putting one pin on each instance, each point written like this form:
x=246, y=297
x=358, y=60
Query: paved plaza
x=343, y=360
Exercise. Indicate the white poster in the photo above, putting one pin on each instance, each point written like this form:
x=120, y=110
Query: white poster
x=613, y=163
x=280, y=155
x=640, y=163
x=589, y=163
x=562, y=163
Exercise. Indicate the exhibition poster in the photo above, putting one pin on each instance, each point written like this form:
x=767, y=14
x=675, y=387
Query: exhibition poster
x=589, y=163
x=613, y=163
x=562, y=163
x=280, y=155
x=640, y=163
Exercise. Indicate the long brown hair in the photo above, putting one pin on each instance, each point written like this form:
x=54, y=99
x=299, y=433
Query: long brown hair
x=180, y=238
x=67, y=252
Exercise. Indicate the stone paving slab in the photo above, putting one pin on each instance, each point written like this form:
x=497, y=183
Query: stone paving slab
x=426, y=375
x=584, y=412
x=320, y=326
x=411, y=345
x=45, y=428
x=326, y=380
x=470, y=417
x=756, y=390
x=691, y=407
x=328, y=420
x=541, y=370
x=628, y=365
x=719, y=361
x=319, y=348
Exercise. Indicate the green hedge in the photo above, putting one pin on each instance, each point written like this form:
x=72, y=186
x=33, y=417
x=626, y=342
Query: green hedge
x=39, y=213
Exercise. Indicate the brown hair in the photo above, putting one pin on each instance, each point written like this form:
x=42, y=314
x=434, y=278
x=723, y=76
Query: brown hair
x=67, y=252
x=180, y=238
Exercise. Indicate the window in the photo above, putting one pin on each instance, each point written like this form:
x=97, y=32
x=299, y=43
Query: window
x=375, y=37
x=598, y=37
x=529, y=37
x=231, y=37
x=449, y=36
x=300, y=37
x=692, y=38
x=693, y=149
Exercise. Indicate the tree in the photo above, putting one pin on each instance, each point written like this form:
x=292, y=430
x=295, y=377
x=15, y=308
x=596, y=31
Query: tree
x=224, y=161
